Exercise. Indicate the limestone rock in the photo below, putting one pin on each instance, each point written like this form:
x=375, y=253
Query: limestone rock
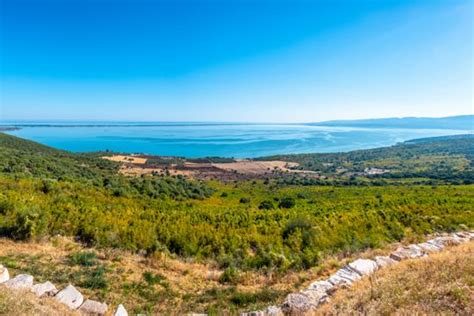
x=344, y=276
x=298, y=304
x=4, y=275
x=44, y=289
x=93, y=307
x=321, y=285
x=363, y=266
x=121, y=311
x=408, y=252
x=426, y=246
x=445, y=241
x=70, y=297
x=273, y=311
x=21, y=281
x=317, y=296
x=383, y=261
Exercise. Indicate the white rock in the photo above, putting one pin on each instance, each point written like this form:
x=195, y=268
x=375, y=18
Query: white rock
x=44, y=289
x=121, y=311
x=436, y=243
x=363, y=266
x=321, y=285
x=4, y=275
x=298, y=304
x=445, y=241
x=383, y=261
x=344, y=276
x=408, y=252
x=316, y=296
x=429, y=247
x=21, y=281
x=70, y=297
x=93, y=307
x=273, y=311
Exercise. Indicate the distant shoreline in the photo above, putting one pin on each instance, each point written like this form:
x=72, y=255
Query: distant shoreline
x=460, y=122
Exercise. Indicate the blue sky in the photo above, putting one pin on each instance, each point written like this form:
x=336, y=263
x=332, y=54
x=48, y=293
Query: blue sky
x=257, y=61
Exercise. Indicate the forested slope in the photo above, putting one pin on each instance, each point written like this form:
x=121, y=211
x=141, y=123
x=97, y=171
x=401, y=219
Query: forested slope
x=23, y=159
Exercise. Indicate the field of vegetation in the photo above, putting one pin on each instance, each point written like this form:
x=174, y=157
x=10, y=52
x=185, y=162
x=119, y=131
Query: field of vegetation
x=263, y=227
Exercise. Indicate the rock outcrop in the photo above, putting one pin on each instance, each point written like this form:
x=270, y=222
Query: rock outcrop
x=70, y=297
x=44, y=289
x=93, y=307
x=20, y=282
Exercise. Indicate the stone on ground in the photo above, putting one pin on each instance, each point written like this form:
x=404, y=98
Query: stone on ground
x=363, y=266
x=298, y=304
x=44, y=289
x=383, y=261
x=4, y=275
x=21, y=281
x=93, y=307
x=70, y=297
x=408, y=252
x=273, y=311
x=426, y=246
x=321, y=285
x=345, y=276
x=121, y=311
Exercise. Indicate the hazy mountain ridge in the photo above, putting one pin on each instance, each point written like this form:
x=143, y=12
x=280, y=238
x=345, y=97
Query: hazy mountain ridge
x=460, y=122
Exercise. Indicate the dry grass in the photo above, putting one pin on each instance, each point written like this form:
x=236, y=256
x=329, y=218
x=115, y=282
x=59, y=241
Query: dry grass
x=26, y=303
x=126, y=159
x=441, y=284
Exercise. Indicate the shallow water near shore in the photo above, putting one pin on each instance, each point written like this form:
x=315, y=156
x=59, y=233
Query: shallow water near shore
x=210, y=139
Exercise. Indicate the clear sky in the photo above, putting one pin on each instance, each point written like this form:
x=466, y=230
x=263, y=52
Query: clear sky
x=258, y=61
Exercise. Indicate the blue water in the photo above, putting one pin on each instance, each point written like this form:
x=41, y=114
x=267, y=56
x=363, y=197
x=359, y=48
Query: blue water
x=224, y=140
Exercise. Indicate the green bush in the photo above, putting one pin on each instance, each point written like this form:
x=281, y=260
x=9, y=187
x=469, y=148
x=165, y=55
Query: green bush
x=266, y=205
x=83, y=258
x=287, y=202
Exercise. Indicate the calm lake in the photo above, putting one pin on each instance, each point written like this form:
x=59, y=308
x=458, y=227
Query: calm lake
x=225, y=140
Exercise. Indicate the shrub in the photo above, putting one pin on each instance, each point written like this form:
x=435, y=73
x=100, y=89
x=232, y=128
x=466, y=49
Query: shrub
x=266, y=205
x=244, y=200
x=230, y=275
x=83, y=258
x=287, y=202
x=95, y=279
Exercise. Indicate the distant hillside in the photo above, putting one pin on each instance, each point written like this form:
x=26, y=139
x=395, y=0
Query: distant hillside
x=461, y=122
x=22, y=158
x=446, y=158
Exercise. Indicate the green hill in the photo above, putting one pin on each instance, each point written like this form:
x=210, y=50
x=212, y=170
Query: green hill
x=449, y=159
